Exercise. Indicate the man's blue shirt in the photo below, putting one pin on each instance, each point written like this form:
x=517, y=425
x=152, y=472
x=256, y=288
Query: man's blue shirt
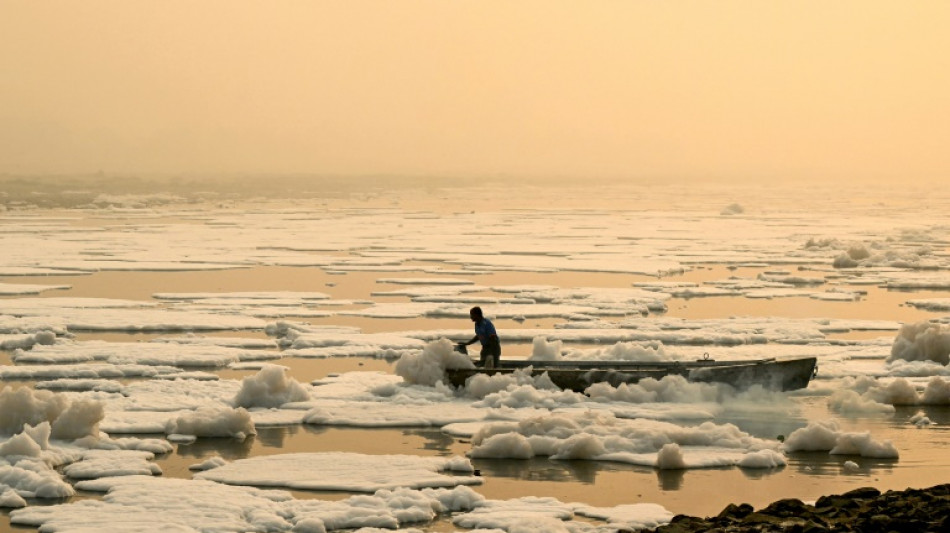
x=484, y=329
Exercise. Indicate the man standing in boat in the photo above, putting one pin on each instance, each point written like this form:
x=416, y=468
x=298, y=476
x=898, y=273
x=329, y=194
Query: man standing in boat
x=486, y=334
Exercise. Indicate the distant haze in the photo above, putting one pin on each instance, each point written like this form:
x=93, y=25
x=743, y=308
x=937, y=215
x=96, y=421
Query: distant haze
x=850, y=89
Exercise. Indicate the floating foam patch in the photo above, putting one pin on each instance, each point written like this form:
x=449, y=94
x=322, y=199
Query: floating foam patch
x=344, y=471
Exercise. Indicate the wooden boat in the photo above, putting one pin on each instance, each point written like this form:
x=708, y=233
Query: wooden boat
x=773, y=374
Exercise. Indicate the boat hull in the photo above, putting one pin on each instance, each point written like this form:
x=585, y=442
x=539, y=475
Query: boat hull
x=772, y=374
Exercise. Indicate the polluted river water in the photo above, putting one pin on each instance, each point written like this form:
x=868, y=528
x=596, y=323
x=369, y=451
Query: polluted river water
x=377, y=278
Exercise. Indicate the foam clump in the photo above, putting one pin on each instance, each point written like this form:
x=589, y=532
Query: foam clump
x=851, y=258
x=10, y=499
x=428, y=366
x=542, y=350
x=34, y=479
x=101, y=463
x=603, y=437
x=921, y=420
x=621, y=351
x=483, y=385
x=509, y=445
x=766, y=458
x=631, y=516
x=869, y=395
x=271, y=387
x=213, y=422
x=27, y=467
x=670, y=457
x=69, y=419
x=827, y=436
x=80, y=419
x=383, y=511
x=104, y=442
x=671, y=388
x=25, y=341
x=530, y=396
x=849, y=401
x=208, y=464
x=922, y=341
x=937, y=392
x=30, y=442
x=21, y=445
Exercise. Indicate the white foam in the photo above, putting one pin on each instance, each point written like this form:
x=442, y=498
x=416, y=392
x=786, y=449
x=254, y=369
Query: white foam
x=26, y=340
x=32, y=479
x=140, y=353
x=99, y=463
x=213, y=422
x=922, y=341
x=428, y=366
x=633, y=516
x=102, y=314
x=530, y=514
x=343, y=471
x=69, y=418
x=10, y=499
x=271, y=387
x=869, y=395
x=602, y=437
x=826, y=436
x=208, y=464
x=83, y=371
x=621, y=322
x=142, y=503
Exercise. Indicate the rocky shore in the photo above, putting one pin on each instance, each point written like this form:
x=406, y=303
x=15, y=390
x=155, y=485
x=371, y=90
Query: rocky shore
x=865, y=510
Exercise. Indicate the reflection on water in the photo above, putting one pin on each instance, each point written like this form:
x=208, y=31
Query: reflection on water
x=764, y=425
x=308, y=438
x=938, y=414
x=227, y=448
x=760, y=473
x=701, y=492
x=669, y=480
x=273, y=439
x=824, y=464
x=540, y=469
x=434, y=440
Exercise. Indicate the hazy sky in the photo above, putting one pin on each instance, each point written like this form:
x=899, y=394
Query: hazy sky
x=829, y=89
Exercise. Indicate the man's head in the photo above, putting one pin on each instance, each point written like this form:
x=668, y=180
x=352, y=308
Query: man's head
x=475, y=314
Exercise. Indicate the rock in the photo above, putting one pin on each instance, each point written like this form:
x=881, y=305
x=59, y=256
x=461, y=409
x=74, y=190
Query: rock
x=862, y=493
x=814, y=527
x=790, y=507
x=736, y=511
x=762, y=518
x=863, y=510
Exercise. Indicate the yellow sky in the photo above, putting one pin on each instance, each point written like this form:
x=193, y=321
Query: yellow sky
x=828, y=89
